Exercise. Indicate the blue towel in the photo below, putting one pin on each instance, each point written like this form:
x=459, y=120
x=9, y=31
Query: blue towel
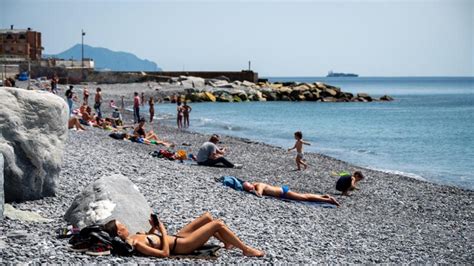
x=233, y=182
x=312, y=203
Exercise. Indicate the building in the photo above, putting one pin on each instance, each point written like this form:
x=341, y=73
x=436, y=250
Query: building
x=88, y=63
x=20, y=43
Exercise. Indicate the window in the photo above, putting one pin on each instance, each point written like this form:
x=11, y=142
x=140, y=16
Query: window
x=10, y=37
x=22, y=36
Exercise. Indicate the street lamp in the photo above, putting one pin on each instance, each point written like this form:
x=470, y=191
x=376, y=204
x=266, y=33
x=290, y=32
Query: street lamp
x=82, y=53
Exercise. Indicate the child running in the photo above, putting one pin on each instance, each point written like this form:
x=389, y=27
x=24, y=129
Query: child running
x=299, y=150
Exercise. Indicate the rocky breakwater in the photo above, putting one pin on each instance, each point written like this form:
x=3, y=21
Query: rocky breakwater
x=33, y=130
x=221, y=90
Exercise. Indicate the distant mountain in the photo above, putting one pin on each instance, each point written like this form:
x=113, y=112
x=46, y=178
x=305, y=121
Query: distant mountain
x=106, y=59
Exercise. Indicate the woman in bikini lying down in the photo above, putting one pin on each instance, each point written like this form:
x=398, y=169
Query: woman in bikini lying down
x=261, y=189
x=194, y=235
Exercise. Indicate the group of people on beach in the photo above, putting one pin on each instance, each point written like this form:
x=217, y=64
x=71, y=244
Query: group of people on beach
x=85, y=117
x=157, y=242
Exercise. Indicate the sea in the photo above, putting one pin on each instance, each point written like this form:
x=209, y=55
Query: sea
x=427, y=132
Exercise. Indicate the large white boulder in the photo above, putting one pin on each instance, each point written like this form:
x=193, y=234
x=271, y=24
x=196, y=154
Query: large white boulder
x=33, y=130
x=2, y=195
x=110, y=197
x=197, y=82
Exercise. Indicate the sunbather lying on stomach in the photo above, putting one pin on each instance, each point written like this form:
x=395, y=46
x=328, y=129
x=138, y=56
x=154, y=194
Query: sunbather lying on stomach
x=261, y=189
x=193, y=236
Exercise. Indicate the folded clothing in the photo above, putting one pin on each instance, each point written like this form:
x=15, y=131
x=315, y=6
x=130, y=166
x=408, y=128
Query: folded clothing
x=233, y=182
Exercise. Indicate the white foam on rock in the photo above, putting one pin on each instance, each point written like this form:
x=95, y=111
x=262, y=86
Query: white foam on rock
x=100, y=210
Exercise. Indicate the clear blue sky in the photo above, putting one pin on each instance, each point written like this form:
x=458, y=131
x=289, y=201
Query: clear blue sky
x=281, y=38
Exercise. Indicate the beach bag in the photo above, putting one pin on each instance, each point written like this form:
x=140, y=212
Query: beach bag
x=96, y=233
x=181, y=155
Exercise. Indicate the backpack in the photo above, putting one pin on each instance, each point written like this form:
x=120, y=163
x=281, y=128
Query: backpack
x=181, y=155
x=96, y=233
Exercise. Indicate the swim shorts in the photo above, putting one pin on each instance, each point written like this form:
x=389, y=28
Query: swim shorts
x=285, y=190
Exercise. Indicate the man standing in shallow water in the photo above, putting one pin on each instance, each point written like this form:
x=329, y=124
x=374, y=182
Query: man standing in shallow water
x=186, y=110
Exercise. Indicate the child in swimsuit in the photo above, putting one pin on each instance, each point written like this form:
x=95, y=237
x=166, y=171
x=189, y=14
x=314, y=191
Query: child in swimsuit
x=299, y=150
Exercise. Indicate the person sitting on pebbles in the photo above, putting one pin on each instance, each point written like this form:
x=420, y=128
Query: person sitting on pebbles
x=210, y=155
x=284, y=192
x=149, y=137
x=347, y=182
x=73, y=122
x=193, y=236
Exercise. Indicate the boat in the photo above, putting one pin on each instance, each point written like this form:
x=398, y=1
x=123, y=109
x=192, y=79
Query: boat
x=334, y=74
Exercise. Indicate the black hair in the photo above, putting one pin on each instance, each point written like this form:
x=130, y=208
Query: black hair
x=135, y=93
x=299, y=134
x=214, y=137
x=142, y=120
x=358, y=174
x=111, y=228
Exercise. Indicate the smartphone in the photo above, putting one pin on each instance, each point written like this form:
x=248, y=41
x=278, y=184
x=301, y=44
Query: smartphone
x=154, y=218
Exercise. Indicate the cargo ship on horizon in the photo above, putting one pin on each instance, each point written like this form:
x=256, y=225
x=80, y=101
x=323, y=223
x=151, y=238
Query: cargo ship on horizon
x=334, y=74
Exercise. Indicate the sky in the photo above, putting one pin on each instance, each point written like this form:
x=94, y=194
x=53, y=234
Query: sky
x=280, y=38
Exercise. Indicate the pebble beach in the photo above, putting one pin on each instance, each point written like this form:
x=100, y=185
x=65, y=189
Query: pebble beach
x=391, y=219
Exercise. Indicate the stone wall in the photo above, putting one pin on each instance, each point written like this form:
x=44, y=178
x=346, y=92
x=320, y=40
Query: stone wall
x=231, y=75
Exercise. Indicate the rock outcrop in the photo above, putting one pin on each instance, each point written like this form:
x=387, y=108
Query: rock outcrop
x=26, y=216
x=33, y=130
x=110, y=197
x=386, y=98
x=212, y=90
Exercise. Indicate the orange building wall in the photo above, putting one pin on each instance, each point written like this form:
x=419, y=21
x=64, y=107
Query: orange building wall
x=22, y=44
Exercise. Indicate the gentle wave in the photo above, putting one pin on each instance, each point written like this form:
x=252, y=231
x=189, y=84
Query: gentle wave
x=209, y=122
x=396, y=172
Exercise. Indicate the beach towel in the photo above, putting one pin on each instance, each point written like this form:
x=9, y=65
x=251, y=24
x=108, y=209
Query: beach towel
x=119, y=136
x=187, y=162
x=163, y=154
x=204, y=252
x=310, y=203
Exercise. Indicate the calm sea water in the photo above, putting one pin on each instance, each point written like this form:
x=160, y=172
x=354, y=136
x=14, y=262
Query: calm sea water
x=427, y=132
